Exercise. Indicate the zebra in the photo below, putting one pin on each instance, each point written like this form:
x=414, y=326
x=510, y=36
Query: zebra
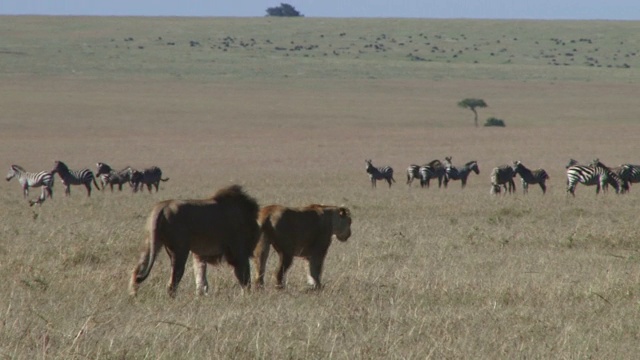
x=413, y=172
x=26, y=179
x=74, y=177
x=503, y=175
x=431, y=170
x=538, y=176
x=379, y=173
x=629, y=174
x=453, y=173
x=150, y=176
x=595, y=174
x=110, y=177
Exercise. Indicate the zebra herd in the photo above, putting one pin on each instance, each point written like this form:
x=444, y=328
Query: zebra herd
x=137, y=179
x=502, y=177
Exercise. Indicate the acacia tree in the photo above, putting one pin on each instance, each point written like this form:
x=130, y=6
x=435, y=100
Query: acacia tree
x=283, y=10
x=472, y=104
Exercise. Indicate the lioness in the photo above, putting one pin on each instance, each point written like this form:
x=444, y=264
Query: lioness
x=223, y=226
x=303, y=232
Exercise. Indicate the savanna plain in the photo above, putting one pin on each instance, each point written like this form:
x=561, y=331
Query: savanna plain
x=290, y=109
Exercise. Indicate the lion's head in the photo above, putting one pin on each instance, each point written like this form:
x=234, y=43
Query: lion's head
x=342, y=223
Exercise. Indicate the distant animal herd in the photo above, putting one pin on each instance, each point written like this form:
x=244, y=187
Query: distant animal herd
x=137, y=179
x=594, y=173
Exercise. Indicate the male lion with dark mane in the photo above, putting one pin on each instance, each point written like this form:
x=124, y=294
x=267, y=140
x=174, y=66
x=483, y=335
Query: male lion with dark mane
x=302, y=232
x=223, y=226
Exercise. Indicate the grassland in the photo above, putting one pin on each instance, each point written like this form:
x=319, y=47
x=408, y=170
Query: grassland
x=428, y=273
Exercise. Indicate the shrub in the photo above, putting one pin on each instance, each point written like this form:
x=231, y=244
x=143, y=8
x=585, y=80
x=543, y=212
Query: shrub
x=494, y=122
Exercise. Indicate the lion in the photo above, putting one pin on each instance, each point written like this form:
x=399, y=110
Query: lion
x=221, y=227
x=301, y=232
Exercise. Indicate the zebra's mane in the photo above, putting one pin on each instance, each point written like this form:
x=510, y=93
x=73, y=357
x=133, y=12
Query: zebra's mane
x=470, y=163
x=62, y=166
x=18, y=167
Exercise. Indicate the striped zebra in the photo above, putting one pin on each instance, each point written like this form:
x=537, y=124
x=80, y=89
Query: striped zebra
x=503, y=175
x=432, y=170
x=379, y=173
x=629, y=174
x=538, y=176
x=413, y=172
x=453, y=173
x=150, y=177
x=28, y=180
x=110, y=177
x=74, y=177
x=595, y=174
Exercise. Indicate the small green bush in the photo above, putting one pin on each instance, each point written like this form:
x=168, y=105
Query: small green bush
x=494, y=122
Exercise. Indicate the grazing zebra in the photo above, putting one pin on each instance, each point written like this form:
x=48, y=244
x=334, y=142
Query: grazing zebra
x=74, y=177
x=538, y=176
x=629, y=174
x=26, y=179
x=503, y=175
x=110, y=177
x=380, y=173
x=453, y=173
x=594, y=174
x=149, y=176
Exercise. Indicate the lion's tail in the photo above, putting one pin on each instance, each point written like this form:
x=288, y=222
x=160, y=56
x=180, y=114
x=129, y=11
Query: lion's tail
x=148, y=257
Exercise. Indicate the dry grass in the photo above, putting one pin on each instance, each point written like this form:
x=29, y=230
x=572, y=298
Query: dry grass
x=428, y=273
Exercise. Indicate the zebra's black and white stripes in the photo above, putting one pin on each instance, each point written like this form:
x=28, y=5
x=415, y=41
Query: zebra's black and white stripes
x=595, y=174
x=74, y=177
x=149, y=177
x=453, y=173
x=110, y=177
x=379, y=173
x=28, y=180
x=538, y=176
x=503, y=176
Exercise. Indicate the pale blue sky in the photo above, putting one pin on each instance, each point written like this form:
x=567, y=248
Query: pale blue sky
x=485, y=9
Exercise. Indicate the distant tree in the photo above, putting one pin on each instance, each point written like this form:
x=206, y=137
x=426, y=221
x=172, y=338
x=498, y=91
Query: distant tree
x=472, y=104
x=283, y=10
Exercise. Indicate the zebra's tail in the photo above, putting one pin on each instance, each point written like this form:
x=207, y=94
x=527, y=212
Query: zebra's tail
x=161, y=179
x=148, y=256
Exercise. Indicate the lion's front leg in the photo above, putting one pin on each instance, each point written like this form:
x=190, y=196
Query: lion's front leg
x=200, y=274
x=314, y=265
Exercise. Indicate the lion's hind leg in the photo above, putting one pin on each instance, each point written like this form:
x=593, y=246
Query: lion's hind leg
x=178, y=262
x=260, y=257
x=285, y=263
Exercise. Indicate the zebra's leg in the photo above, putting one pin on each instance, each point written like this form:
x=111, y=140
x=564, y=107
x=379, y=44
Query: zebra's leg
x=525, y=187
x=25, y=191
x=88, y=186
x=543, y=186
x=67, y=190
